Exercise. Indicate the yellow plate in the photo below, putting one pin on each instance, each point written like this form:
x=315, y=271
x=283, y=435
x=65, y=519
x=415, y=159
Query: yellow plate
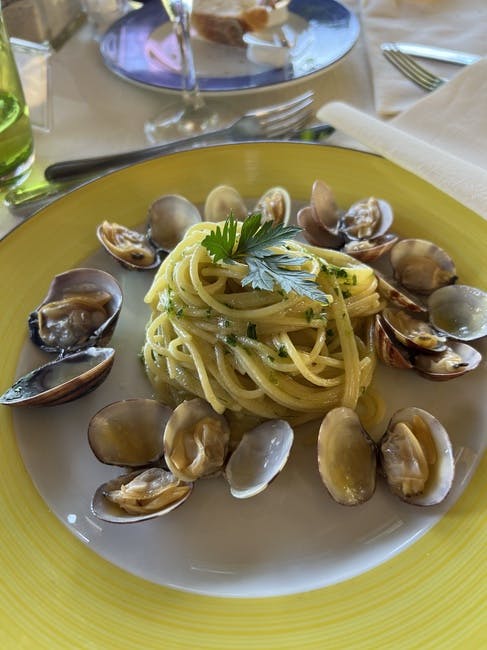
x=57, y=593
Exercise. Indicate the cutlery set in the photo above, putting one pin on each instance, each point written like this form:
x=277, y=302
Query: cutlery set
x=286, y=120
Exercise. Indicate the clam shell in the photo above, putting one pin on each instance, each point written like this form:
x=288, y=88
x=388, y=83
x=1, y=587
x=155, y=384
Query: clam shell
x=421, y=266
x=275, y=206
x=130, y=248
x=456, y=360
x=168, y=219
x=259, y=457
x=460, y=311
x=315, y=233
x=387, y=348
x=222, y=200
x=106, y=510
x=129, y=433
x=323, y=206
x=366, y=219
x=398, y=459
x=347, y=457
x=195, y=440
x=397, y=295
x=369, y=250
x=82, y=281
x=62, y=380
x=412, y=331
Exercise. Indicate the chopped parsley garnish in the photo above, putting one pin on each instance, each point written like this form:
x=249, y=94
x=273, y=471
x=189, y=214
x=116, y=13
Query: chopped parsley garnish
x=266, y=270
x=252, y=331
x=282, y=352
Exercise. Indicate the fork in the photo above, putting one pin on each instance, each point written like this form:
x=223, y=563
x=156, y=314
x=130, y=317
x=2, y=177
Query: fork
x=268, y=122
x=410, y=69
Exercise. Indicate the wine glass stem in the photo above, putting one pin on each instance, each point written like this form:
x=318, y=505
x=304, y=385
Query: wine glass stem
x=191, y=93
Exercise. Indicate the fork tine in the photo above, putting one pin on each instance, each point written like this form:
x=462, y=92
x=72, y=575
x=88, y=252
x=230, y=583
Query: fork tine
x=416, y=68
x=291, y=124
x=416, y=73
x=282, y=107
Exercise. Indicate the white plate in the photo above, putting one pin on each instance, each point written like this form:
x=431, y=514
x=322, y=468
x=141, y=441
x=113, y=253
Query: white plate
x=289, y=539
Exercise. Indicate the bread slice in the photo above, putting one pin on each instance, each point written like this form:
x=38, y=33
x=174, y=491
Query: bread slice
x=226, y=21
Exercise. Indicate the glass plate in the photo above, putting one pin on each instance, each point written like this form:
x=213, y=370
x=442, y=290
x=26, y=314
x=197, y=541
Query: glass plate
x=199, y=544
x=141, y=47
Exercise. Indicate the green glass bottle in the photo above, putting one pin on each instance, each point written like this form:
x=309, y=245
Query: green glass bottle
x=16, y=142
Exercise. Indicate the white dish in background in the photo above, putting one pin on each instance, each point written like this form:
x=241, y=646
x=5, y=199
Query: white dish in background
x=141, y=47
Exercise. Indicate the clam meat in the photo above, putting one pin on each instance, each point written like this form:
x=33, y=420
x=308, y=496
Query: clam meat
x=421, y=266
x=413, y=332
x=346, y=457
x=80, y=310
x=132, y=249
x=196, y=440
x=366, y=219
x=140, y=495
x=416, y=457
x=275, y=206
x=454, y=361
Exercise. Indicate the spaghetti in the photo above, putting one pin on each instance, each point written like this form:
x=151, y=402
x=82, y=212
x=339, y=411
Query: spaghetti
x=267, y=354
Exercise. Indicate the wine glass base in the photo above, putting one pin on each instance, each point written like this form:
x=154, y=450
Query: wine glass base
x=178, y=121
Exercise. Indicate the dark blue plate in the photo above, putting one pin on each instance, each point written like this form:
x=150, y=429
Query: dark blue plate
x=141, y=48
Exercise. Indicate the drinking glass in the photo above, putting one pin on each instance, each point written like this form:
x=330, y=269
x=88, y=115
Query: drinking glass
x=16, y=142
x=191, y=115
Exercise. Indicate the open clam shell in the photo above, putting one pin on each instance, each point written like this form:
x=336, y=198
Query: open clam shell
x=129, y=433
x=388, y=348
x=347, y=457
x=369, y=250
x=62, y=380
x=196, y=440
x=460, y=311
x=417, y=458
x=421, y=266
x=367, y=219
x=80, y=310
x=132, y=249
x=275, y=206
x=259, y=457
x=412, y=331
x=454, y=361
x=139, y=496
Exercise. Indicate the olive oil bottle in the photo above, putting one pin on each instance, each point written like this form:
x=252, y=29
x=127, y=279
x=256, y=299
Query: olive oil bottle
x=16, y=143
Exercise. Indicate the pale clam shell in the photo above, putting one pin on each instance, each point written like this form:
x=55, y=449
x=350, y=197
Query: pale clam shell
x=259, y=457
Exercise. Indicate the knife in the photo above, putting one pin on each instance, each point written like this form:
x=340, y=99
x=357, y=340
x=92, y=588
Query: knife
x=431, y=52
x=24, y=201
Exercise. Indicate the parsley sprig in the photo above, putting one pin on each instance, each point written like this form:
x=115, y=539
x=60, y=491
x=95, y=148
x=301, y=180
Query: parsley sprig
x=266, y=269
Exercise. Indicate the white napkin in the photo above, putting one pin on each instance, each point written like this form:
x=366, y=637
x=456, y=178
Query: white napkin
x=455, y=24
x=442, y=139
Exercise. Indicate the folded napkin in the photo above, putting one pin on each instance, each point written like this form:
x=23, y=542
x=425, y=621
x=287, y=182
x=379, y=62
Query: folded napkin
x=455, y=24
x=442, y=139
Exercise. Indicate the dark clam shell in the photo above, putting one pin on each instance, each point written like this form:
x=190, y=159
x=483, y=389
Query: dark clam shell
x=62, y=380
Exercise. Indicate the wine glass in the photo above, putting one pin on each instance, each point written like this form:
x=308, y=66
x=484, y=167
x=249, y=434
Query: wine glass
x=192, y=115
